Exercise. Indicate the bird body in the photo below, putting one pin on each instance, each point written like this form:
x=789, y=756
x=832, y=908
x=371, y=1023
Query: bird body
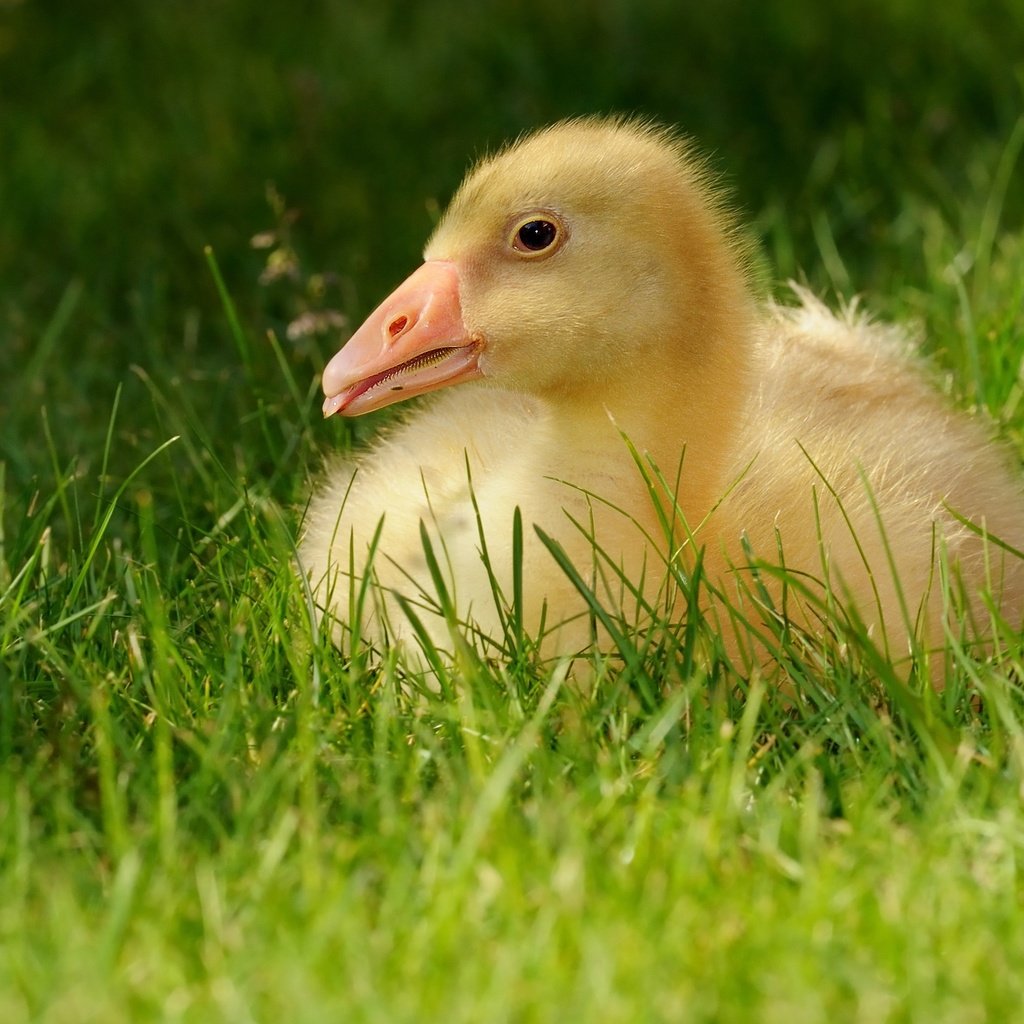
x=607, y=372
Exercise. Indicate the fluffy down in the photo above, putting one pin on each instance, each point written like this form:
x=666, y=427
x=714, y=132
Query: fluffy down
x=587, y=286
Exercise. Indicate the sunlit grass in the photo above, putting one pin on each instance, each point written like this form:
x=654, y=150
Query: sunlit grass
x=213, y=812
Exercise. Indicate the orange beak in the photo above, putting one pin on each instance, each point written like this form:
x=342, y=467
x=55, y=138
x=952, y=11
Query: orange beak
x=414, y=342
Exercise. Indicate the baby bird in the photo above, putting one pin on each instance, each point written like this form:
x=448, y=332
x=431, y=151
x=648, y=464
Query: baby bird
x=606, y=374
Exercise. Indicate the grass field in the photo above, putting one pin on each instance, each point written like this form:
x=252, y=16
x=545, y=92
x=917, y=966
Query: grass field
x=206, y=812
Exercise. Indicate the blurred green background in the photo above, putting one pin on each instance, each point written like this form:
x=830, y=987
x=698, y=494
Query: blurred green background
x=858, y=137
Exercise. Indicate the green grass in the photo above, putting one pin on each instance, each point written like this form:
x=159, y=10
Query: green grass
x=209, y=813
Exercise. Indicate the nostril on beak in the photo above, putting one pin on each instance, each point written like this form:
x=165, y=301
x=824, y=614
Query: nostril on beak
x=398, y=326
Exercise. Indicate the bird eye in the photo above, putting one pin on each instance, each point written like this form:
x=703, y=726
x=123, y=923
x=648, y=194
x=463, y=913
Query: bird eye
x=534, y=236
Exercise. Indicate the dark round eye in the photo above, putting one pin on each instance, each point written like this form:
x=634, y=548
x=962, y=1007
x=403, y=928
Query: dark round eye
x=535, y=236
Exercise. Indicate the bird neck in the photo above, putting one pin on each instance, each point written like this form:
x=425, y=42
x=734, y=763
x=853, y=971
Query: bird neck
x=682, y=421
